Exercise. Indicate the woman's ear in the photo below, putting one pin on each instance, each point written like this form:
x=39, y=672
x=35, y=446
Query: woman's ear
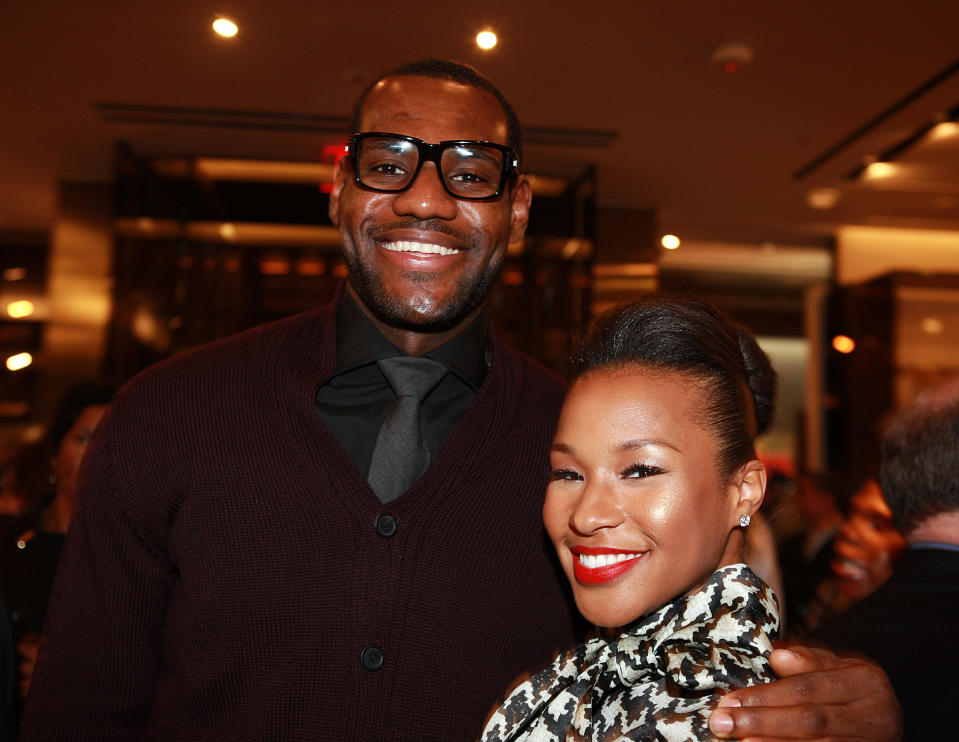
x=748, y=488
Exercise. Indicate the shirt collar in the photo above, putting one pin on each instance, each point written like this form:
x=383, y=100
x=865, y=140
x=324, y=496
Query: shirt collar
x=934, y=545
x=359, y=343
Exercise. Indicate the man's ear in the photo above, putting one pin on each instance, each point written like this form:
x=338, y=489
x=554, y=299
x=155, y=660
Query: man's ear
x=521, y=195
x=748, y=488
x=341, y=173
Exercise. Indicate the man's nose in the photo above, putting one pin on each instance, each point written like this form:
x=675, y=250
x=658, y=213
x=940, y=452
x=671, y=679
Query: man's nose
x=426, y=198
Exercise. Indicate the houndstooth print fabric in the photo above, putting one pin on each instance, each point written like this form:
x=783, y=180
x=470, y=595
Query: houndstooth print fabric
x=657, y=680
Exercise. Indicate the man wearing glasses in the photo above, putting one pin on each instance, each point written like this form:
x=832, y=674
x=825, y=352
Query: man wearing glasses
x=331, y=530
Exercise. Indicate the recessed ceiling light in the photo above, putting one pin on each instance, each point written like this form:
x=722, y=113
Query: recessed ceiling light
x=225, y=27
x=669, y=241
x=944, y=130
x=486, y=39
x=19, y=361
x=20, y=308
x=822, y=198
x=843, y=344
x=880, y=170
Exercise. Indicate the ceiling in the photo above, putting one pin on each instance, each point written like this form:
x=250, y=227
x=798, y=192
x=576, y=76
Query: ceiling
x=626, y=85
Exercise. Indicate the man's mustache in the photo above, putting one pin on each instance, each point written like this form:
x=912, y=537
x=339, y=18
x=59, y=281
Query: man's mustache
x=424, y=225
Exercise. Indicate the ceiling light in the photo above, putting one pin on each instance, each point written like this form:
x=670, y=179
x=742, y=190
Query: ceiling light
x=669, y=241
x=822, y=198
x=225, y=27
x=843, y=344
x=944, y=130
x=20, y=308
x=486, y=39
x=880, y=170
x=19, y=361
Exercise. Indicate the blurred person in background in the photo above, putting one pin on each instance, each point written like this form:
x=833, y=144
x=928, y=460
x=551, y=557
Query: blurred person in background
x=24, y=486
x=867, y=545
x=28, y=560
x=7, y=713
x=908, y=624
x=805, y=556
x=864, y=552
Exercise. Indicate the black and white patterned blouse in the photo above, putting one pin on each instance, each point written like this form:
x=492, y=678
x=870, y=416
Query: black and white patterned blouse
x=659, y=679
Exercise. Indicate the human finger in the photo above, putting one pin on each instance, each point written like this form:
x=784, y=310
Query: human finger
x=819, y=696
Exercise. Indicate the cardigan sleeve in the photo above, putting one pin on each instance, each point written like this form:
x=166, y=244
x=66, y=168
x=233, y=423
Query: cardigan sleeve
x=100, y=659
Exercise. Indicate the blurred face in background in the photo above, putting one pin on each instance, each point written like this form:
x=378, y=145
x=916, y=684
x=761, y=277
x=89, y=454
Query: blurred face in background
x=66, y=463
x=867, y=544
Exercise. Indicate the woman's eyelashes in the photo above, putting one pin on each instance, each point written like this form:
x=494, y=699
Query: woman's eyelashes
x=640, y=471
x=564, y=474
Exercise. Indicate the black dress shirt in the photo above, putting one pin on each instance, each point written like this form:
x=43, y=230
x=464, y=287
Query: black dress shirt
x=355, y=401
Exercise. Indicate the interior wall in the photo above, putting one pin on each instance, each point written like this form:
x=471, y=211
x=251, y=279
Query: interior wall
x=79, y=280
x=863, y=253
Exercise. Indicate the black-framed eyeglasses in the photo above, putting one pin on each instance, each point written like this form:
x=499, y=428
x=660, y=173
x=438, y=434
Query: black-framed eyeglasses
x=471, y=170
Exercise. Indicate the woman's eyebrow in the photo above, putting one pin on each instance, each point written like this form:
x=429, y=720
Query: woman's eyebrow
x=632, y=445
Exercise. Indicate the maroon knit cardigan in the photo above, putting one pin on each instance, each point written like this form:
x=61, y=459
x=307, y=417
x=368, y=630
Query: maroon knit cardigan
x=223, y=572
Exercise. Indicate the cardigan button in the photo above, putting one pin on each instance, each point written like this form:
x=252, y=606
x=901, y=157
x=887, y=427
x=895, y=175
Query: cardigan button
x=386, y=525
x=371, y=658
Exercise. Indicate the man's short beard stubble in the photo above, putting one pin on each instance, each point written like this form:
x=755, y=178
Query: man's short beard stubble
x=389, y=310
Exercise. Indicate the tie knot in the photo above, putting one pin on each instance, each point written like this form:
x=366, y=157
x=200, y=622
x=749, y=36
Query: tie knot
x=412, y=376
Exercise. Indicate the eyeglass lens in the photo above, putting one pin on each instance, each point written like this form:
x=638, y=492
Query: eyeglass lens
x=468, y=170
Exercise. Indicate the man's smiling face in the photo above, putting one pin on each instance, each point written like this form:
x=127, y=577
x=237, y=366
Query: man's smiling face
x=422, y=260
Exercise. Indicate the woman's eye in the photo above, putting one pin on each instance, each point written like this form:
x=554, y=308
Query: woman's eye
x=640, y=471
x=564, y=474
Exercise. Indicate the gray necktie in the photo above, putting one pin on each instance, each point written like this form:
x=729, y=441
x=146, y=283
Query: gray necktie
x=400, y=456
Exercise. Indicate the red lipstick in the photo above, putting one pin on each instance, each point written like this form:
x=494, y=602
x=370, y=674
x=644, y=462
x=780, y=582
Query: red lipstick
x=603, y=569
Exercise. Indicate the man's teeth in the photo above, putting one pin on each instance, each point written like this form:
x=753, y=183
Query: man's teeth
x=424, y=247
x=594, y=561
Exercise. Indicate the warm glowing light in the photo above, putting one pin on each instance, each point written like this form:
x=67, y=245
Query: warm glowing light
x=880, y=170
x=20, y=308
x=822, y=198
x=486, y=39
x=932, y=325
x=19, y=361
x=669, y=241
x=843, y=344
x=14, y=274
x=944, y=130
x=225, y=27
x=227, y=231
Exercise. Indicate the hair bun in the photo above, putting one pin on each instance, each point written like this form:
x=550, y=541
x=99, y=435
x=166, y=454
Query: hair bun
x=760, y=378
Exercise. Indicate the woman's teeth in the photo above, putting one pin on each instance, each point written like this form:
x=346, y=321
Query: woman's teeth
x=595, y=561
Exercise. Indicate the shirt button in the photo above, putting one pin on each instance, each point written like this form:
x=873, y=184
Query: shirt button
x=371, y=658
x=386, y=525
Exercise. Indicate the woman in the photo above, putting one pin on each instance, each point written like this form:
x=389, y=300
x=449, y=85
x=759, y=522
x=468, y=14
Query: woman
x=29, y=562
x=653, y=480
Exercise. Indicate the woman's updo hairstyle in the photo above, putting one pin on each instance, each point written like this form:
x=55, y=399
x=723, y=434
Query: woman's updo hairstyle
x=690, y=336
